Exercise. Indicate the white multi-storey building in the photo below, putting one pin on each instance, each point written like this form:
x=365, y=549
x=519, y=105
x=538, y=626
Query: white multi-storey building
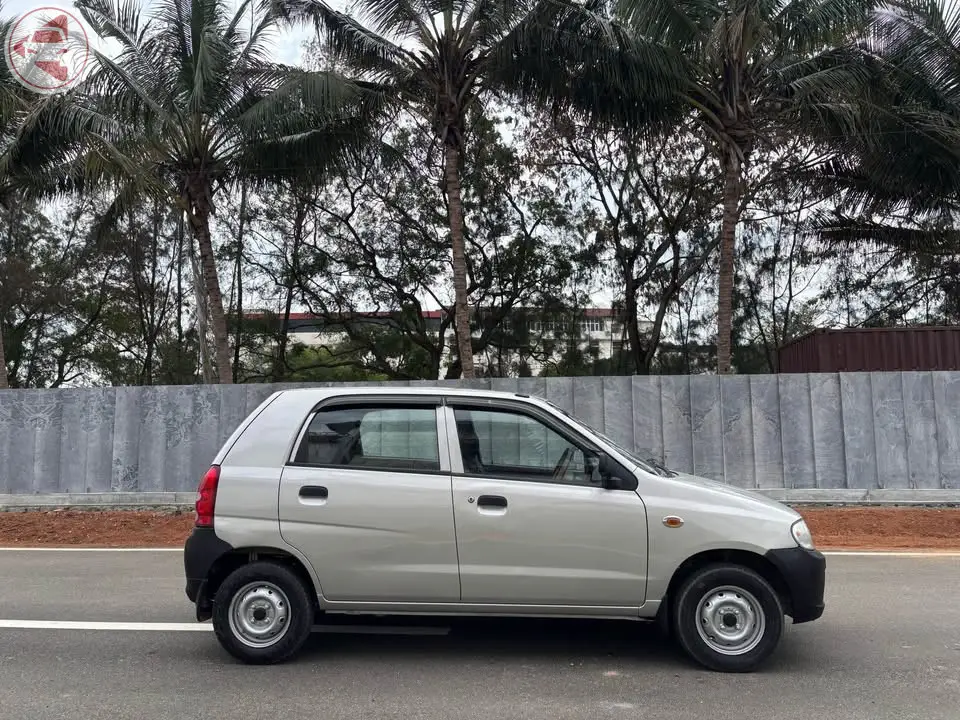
x=528, y=337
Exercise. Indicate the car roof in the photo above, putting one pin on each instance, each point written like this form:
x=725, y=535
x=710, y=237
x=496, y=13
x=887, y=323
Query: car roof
x=446, y=390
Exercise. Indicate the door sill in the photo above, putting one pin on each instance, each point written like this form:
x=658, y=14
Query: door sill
x=487, y=609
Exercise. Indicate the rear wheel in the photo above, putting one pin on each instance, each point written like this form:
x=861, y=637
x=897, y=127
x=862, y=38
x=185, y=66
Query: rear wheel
x=728, y=618
x=262, y=613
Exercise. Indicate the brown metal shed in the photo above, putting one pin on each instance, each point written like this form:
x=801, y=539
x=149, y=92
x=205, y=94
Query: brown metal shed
x=929, y=347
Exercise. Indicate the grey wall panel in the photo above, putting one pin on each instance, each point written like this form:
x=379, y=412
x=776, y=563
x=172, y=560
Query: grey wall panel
x=920, y=423
x=7, y=485
x=618, y=420
x=946, y=393
x=889, y=430
x=152, y=451
x=588, y=400
x=706, y=419
x=532, y=386
x=736, y=428
x=647, y=427
x=48, y=429
x=510, y=385
x=856, y=431
x=827, y=428
x=859, y=438
x=125, y=473
x=676, y=414
x=560, y=392
x=796, y=431
x=767, y=440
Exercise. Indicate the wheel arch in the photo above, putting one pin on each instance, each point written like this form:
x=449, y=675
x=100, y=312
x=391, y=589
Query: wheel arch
x=236, y=558
x=745, y=558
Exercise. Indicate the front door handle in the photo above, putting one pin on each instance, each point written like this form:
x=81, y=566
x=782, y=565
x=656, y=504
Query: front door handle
x=314, y=492
x=491, y=501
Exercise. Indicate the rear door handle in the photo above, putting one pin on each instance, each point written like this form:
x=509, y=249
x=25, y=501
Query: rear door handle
x=313, y=491
x=491, y=501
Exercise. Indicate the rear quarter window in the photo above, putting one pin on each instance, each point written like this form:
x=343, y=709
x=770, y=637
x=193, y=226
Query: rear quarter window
x=372, y=437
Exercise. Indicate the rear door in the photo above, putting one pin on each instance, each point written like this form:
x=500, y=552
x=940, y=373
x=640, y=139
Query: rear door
x=366, y=498
x=534, y=526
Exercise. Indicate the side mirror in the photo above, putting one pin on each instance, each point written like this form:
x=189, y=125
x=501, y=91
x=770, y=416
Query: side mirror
x=592, y=465
x=601, y=471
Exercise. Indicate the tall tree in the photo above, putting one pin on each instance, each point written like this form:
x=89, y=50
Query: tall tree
x=649, y=209
x=443, y=57
x=756, y=71
x=192, y=105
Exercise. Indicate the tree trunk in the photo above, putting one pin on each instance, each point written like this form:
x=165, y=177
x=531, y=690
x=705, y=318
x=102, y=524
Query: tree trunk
x=728, y=230
x=461, y=312
x=280, y=363
x=200, y=218
x=206, y=371
x=632, y=324
x=239, y=342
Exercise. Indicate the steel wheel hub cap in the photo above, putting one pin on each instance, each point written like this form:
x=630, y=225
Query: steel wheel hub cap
x=730, y=620
x=259, y=614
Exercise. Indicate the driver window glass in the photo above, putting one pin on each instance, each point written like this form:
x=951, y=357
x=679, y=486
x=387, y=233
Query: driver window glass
x=514, y=446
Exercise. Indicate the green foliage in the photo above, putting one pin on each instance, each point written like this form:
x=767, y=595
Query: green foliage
x=591, y=148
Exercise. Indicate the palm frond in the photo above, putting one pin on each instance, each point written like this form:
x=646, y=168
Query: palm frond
x=843, y=231
x=811, y=25
x=359, y=47
x=570, y=56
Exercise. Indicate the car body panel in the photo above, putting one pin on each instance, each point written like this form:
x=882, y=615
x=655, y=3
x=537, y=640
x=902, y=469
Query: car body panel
x=552, y=544
x=378, y=537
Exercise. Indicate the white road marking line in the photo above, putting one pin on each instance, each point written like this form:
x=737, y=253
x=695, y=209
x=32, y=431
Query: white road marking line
x=207, y=627
x=89, y=549
x=894, y=553
x=75, y=625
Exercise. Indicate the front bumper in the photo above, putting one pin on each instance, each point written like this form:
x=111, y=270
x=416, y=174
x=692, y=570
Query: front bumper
x=804, y=572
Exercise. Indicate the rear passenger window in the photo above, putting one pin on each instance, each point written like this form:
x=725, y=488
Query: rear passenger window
x=380, y=438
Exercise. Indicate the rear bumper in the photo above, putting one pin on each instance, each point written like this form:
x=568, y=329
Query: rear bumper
x=202, y=549
x=804, y=572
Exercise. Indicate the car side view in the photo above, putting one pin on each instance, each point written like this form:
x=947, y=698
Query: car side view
x=445, y=501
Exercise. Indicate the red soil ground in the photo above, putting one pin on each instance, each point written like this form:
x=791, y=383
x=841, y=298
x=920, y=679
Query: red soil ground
x=866, y=528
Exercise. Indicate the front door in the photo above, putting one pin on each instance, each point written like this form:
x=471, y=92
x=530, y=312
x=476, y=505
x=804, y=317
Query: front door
x=533, y=526
x=367, y=501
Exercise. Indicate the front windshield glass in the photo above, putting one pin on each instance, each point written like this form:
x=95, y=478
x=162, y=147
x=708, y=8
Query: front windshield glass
x=649, y=464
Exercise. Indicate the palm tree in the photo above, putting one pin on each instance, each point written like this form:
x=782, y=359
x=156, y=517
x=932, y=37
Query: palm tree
x=899, y=179
x=755, y=71
x=192, y=105
x=23, y=148
x=442, y=58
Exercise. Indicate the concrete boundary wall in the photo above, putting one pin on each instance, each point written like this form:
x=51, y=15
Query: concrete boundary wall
x=845, y=437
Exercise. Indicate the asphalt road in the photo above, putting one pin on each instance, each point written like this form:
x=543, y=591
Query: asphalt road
x=887, y=647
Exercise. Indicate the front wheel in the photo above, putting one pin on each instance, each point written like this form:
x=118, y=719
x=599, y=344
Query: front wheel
x=262, y=613
x=728, y=618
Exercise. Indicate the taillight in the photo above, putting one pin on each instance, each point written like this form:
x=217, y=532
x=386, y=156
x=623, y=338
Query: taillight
x=207, y=497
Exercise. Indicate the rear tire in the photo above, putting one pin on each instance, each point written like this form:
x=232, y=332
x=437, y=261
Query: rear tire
x=728, y=618
x=262, y=613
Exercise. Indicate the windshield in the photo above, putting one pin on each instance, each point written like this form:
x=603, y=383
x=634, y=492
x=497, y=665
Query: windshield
x=649, y=464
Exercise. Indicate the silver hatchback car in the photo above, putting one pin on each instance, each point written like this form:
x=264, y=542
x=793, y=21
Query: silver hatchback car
x=434, y=501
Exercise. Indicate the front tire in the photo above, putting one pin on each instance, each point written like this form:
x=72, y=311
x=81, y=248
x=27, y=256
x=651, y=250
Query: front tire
x=262, y=613
x=728, y=618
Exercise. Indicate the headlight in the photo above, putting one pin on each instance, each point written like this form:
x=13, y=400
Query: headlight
x=801, y=533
